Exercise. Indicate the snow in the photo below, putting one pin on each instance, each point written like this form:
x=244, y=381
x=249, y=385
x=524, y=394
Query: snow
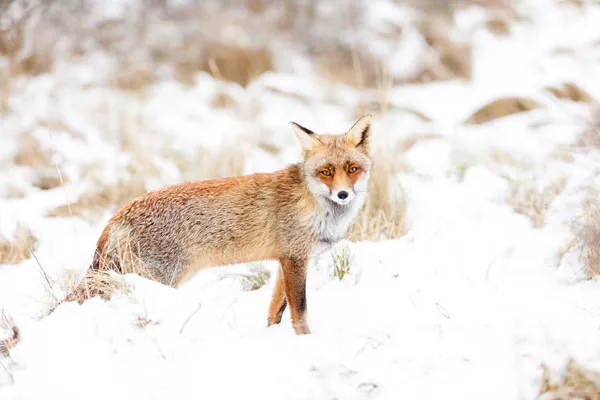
x=468, y=304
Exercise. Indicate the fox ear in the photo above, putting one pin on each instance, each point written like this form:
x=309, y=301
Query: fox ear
x=306, y=137
x=360, y=134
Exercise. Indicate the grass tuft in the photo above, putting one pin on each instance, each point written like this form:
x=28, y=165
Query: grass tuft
x=31, y=154
x=224, y=61
x=19, y=248
x=123, y=259
x=498, y=26
x=47, y=182
x=134, y=77
x=96, y=284
x=590, y=139
x=501, y=108
x=450, y=59
x=571, y=91
x=587, y=237
x=143, y=321
x=352, y=66
x=533, y=202
x=6, y=323
x=576, y=382
x=342, y=262
x=223, y=99
x=256, y=278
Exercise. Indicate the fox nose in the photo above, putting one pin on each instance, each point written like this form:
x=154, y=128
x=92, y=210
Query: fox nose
x=342, y=194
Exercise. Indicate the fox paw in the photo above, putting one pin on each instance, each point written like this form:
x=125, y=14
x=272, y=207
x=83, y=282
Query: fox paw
x=301, y=328
x=274, y=320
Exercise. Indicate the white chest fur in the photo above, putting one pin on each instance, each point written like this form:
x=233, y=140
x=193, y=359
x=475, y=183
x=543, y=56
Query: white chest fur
x=334, y=220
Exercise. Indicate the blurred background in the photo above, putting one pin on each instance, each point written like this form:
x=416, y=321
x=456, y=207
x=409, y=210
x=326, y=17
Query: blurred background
x=101, y=101
x=487, y=171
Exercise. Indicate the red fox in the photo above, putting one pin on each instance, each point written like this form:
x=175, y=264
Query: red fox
x=283, y=215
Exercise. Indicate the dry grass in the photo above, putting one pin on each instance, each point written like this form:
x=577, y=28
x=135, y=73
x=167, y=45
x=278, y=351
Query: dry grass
x=143, y=57
x=342, y=262
x=48, y=181
x=446, y=7
x=96, y=284
x=99, y=282
x=499, y=18
x=19, y=248
x=111, y=196
x=576, y=382
x=31, y=154
x=381, y=105
x=268, y=147
x=11, y=38
x=224, y=61
x=501, y=108
x=13, y=192
x=586, y=230
x=38, y=59
x=498, y=26
x=134, y=77
x=12, y=41
x=222, y=99
x=34, y=64
x=407, y=143
x=533, y=202
x=500, y=162
x=31, y=42
x=204, y=165
x=590, y=139
x=256, y=278
x=210, y=165
x=131, y=142
x=355, y=67
x=452, y=59
x=5, y=91
x=143, y=321
x=6, y=323
x=382, y=216
x=125, y=132
x=570, y=91
x=576, y=3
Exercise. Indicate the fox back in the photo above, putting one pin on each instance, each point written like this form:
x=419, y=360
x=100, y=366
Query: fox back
x=171, y=233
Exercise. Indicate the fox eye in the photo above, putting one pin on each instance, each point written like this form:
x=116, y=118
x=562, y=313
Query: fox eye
x=352, y=169
x=326, y=172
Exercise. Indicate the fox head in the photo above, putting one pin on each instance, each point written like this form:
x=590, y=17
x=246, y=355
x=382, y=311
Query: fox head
x=337, y=167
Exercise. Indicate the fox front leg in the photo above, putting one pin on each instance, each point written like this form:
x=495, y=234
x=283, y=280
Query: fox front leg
x=278, y=300
x=294, y=281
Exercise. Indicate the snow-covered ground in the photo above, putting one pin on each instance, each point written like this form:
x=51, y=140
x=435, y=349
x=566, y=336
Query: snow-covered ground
x=467, y=305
